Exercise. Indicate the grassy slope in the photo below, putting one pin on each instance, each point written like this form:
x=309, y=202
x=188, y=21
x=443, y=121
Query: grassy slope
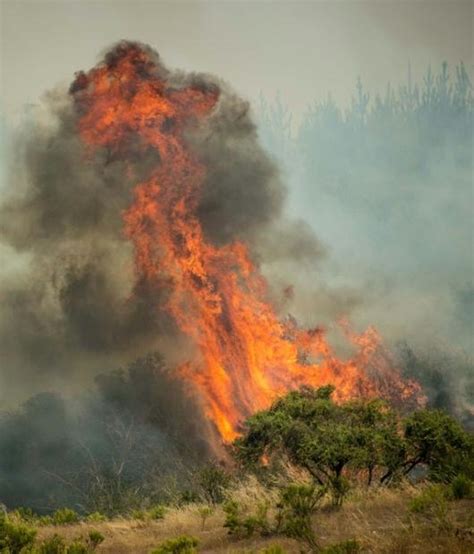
x=379, y=521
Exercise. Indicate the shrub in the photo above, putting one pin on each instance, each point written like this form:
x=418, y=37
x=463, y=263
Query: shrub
x=296, y=506
x=432, y=504
x=65, y=516
x=241, y=525
x=14, y=537
x=339, y=487
x=461, y=487
x=77, y=547
x=138, y=514
x=96, y=517
x=157, y=512
x=95, y=538
x=213, y=481
x=205, y=512
x=179, y=545
x=53, y=545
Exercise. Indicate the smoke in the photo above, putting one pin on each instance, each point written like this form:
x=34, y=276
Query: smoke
x=104, y=450
x=388, y=184
x=74, y=306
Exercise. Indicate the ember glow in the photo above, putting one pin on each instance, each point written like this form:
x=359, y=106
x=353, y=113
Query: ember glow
x=245, y=354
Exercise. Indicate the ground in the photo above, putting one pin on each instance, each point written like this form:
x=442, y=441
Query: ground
x=380, y=521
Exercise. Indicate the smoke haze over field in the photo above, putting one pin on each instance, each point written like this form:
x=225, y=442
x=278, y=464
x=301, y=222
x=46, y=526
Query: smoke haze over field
x=352, y=205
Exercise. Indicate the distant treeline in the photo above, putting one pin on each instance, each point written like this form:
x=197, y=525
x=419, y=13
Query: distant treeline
x=388, y=185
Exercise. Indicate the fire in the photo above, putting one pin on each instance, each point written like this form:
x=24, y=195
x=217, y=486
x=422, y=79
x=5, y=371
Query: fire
x=218, y=298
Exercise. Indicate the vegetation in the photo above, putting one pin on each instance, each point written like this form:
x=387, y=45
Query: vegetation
x=180, y=545
x=340, y=443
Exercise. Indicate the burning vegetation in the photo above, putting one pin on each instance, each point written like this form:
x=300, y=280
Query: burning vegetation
x=245, y=355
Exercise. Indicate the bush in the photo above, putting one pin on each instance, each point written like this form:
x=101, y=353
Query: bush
x=95, y=538
x=138, y=514
x=214, y=481
x=205, y=512
x=179, y=545
x=53, y=545
x=461, y=487
x=14, y=537
x=77, y=547
x=432, y=503
x=96, y=517
x=242, y=526
x=157, y=512
x=65, y=516
x=297, y=504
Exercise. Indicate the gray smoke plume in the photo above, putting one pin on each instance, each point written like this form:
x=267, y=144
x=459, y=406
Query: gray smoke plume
x=74, y=307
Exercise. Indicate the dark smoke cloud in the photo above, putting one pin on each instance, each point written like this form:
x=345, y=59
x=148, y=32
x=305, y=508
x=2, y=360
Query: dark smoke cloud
x=74, y=306
x=108, y=449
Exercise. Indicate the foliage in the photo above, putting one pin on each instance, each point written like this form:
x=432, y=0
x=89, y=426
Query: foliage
x=431, y=503
x=53, y=545
x=435, y=439
x=336, y=442
x=15, y=536
x=214, y=480
x=65, y=516
x=296, y=506
x=462, y=487
x=95, y=538
x=242, y=525
x=157, y=512
x=205, y=512
x=96, y=517
x=180, y=545
x=323, y=437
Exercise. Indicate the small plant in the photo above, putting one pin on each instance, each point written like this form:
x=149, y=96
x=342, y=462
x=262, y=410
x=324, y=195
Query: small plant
x=26, y=514
x=53, y=545
x=297, y=505
x=157, y=512
x=205, y=512
x=339, y=487
x=432, y=504
x=245, y=526
x=138, y=514
x=179, y=545
x=213, y=481
x=96, y=517
x=45, y=520
x=95, y=538
x=78, y=547
x=65, y=516
x=461, y=487
x=345, y=547
x=15, y=537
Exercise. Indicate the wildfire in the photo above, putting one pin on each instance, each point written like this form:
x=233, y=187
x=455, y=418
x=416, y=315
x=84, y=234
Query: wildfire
x=216, y=294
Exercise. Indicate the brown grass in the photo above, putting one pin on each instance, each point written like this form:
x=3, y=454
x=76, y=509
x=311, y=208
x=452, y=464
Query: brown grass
x=380, y=520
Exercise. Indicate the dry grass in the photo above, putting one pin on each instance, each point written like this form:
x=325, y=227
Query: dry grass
x=380, y=520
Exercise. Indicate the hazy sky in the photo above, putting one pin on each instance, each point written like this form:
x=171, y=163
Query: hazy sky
x=303, y=49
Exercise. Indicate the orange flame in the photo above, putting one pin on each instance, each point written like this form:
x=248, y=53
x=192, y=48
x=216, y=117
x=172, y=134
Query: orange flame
x=246, y=355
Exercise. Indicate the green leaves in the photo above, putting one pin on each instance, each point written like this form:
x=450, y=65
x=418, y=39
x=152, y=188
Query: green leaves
x=336, y=442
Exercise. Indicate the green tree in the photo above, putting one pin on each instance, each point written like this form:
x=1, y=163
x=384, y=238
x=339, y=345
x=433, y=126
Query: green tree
x=327, y=439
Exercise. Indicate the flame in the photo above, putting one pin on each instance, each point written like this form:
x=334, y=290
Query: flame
x=218, y=298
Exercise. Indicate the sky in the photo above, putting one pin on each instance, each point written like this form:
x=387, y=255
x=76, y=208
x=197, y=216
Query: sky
x=301, y=49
